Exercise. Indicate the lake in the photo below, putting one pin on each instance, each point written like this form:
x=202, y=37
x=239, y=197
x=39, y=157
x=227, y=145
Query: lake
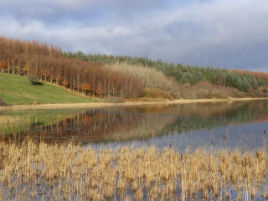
x=228, y=166
x=220, y=125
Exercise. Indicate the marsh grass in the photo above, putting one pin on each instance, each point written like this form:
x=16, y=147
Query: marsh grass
x=69, y=172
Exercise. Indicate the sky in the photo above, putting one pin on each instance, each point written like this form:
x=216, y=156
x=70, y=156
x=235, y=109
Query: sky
x=229, y=34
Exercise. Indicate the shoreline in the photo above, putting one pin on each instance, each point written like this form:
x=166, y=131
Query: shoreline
x=127, y=103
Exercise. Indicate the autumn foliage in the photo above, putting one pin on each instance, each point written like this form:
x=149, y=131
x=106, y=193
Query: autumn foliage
x=48, y=63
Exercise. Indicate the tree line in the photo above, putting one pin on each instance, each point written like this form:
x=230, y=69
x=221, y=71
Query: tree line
x=241, y=80
x=48, y=63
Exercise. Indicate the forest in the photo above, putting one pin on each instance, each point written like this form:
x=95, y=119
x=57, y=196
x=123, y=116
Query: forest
x=122, y=76
x=242, y=80
x=49, y=64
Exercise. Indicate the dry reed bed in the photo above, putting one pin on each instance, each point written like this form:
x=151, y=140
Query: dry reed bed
x=70, y=172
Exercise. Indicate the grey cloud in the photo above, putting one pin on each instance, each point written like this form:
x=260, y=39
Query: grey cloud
x=221, y=33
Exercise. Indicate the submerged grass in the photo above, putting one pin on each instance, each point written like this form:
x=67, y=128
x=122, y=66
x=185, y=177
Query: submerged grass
x=12, y=122
x=70, y=172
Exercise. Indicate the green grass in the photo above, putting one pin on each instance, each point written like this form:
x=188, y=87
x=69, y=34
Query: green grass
x=16, y=90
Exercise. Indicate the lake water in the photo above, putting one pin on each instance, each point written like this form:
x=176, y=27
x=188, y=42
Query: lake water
x=221, y=125
x=242, y=125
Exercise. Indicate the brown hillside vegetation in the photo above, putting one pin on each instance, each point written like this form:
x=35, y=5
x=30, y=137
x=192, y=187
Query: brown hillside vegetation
x=208, y=90
x=48, y=63
x=155, y=82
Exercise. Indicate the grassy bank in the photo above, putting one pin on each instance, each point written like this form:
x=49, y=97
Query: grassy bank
x=28, y=172
x=16, y=90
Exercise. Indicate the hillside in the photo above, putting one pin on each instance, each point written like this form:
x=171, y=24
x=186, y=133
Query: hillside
x=241, y=80
x=16, y=90
x=48, y=63
x=131, y=78
x=183, y=81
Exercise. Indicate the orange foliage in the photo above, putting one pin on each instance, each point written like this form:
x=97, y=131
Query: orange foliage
x=3, y=65
x=86, y=87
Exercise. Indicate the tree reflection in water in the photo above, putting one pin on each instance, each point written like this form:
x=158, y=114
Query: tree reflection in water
x=131, y=123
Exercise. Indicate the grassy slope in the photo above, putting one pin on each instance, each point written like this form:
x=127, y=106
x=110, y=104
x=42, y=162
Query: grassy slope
x=16, y=90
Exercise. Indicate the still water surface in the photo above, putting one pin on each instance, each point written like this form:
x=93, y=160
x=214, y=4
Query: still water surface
x=220, y=125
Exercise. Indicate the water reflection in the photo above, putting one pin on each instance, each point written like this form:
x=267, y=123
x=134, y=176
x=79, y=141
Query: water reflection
x=150, y=124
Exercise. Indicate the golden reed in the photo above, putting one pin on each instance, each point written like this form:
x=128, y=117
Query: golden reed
x=32, y=171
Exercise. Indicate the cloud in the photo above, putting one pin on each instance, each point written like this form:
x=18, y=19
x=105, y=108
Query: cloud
x=222, y=33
